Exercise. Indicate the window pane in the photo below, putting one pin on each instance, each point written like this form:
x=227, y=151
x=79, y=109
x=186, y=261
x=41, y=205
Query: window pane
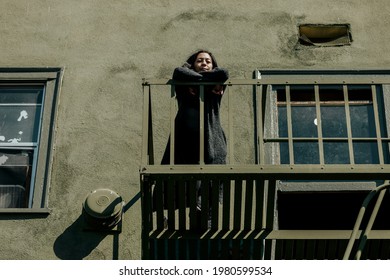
x=362, y=121
x=282, y=119
x=15, y=177
x=304, y=121
x=20, y=110
x=284, y=154
x=336, y=153
x=19, y=123
x=386, y=152
x=306, y=153
x=333, y=121
x=21, y=94
x=366, y=153
x=301, y=93
x=332, y=93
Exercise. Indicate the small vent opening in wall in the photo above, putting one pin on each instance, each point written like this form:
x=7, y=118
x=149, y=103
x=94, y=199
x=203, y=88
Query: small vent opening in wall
x=325, y=35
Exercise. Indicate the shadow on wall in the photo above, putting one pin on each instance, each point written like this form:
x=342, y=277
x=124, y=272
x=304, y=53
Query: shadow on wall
x=75, y=243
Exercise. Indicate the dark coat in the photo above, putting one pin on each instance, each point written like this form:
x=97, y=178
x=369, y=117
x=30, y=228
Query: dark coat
x=187, y=131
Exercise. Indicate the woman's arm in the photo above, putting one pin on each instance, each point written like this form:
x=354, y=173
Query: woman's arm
x=216, y=75
x=184, y=74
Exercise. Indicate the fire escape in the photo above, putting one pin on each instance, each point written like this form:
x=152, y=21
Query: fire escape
x=289, y=132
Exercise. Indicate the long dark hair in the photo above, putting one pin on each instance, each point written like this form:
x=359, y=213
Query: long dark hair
x=191, y=60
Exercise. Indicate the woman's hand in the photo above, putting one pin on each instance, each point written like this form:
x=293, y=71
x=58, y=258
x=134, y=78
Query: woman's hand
x=192, y=91
x=218, y=90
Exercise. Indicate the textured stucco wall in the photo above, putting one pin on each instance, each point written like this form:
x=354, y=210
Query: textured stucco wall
x=106, y=48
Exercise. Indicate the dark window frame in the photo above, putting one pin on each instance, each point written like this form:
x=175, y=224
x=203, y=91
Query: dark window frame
x=50, y=79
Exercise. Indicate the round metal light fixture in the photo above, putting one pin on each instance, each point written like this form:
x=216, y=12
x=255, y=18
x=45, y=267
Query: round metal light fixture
x=102, y=209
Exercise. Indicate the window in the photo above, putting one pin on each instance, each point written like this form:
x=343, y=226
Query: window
x=335, y=121
x=332, y=124
x=27, y=114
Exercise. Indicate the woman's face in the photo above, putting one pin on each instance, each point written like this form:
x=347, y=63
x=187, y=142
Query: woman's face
x=203, y=62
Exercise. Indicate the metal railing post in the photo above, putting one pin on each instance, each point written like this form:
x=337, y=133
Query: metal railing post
x=201, y=125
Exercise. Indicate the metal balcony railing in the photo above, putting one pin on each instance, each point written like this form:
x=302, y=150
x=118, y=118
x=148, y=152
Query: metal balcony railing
x=239, y=199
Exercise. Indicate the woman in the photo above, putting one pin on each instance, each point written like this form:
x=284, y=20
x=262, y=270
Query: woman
x=200, y=67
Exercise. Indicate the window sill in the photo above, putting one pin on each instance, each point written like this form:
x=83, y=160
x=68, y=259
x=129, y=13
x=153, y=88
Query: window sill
x=43, y=211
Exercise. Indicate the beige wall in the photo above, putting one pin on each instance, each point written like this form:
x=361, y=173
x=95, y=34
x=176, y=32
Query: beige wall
x=106, y=48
